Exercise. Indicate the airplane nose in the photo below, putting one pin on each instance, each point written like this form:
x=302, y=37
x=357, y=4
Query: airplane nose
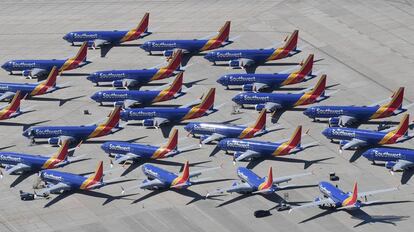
x=105, y=147
x=327, y=132
x=308, y=112
x=222, y=80
x=189, y=127
x=237, y=98
x=96, y=96
x=27, y=133
x=144, y=46
x=124, y=115
x=65, y=37
x=5, y=66
x=91, y=77
x=221, y=144
x=208, y=56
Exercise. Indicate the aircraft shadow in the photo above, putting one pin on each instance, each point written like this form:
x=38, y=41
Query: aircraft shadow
x=306, y=163
x=6, y=147
x=24, y=125
x=136, y=164
x=21, y=178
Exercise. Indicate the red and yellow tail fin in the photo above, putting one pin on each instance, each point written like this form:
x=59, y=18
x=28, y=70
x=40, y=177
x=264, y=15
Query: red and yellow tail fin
x=175, y=61
x=185, y=175
x=208, y=102
x=177, y=85
x=63, y=151
x=172, y=141
x=296, y=138
x=113, y=118
x=269, y=181
x=98, y=175
x=319, y=88
x=51, y=79
x=260, y=123
x=81, y=55
x=143, y=25
x=396, y=101
x=224, y=33
x=403, y=126
x=14, y=105
x=292, y=41
x=306, y=67
x=351, y=200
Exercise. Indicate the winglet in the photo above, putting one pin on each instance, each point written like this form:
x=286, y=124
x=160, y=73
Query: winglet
x=260, y=123
x=292, y=41
x=81, y=55
x=173, y=140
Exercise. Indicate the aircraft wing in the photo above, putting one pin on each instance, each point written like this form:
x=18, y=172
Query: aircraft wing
x=213, y=137
x=159, y=121
x=289, y=178
x=129, y=82
x=54, y=188
x=257, y=86
x=313, y=204
x=127, y=156
x=354, y=143
x=346, y=120
x=271, y=106
x=402, y=165
x=37, y=72
x=199, y=172
x=239, y=187
x=151, y=184
x=17, y=168
x=247, y=154
x=7, y=95
x=100, y=42
x=371, y=193
x=128, y=103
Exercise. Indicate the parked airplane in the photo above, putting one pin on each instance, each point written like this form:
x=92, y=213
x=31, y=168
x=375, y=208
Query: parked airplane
x=334, y=198
x=56, y=135
x=12, y=109
x=39, y=68
x=130, y=98
x=274, y=101
x=139, y=77
x=124, y=151
x=267, y=82
x=357, y=138
x=249, y=59
x=8, y=90
x=209, y=132
x=346, y=116
x=158, y=116
x=252, y=149
x=395, y=159
x=19, y=163
x=101, y=38
x=189, y=47
x=251, y=183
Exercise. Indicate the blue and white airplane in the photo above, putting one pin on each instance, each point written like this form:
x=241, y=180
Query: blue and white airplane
x=267, y=82
x=131, y=98
x=39, y=68
x=137, y=78
x=347, y=116
x=8, y=90
x=334, y=198
x=19, y=163
x=209, y=132
x=124, y=151
x=190, y=46
x=249, y=59
x=56, y=135
x=275, y=101
x=245, y=150
x=356, y=138
x=101, y=38
x=251, y=183
x=158, y=116
x=395, y=159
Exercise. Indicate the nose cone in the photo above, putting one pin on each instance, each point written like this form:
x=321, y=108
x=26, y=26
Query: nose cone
x=105, y=147
x=145, y=46
x=26, y=133
x=6, y=66
x=309, y=112
x=369, y=154
x=92, y=77
x=222, y=143
x=222, y=80
x=97, y=96
x=327, y=132
x=209, y=56
x=238, y=98
x=66, y=37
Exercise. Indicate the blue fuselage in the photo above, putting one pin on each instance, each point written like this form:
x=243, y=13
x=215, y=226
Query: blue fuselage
x=250, y=177
x=143, y=97
x=201, y=128
x=153, y=172
x=143, y=151
x=239, y=145
x=35, y=162
x=273, y=80
x=361, y=113
x=172, y=114
x=142, y=76
x=389, y=154
x=347, y=134
x=14, y=87
x=251, y=98
x=257, y=55
x=337, y=195
x=85, y=36
x=192, y=46
x=44, y=132
x=22, y=65
x=55, y=177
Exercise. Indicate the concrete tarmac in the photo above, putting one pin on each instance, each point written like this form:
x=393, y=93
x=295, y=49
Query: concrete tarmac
x=366, y=47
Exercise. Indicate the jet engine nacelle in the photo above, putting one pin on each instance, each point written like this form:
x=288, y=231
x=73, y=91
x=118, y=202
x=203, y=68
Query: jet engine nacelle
x=333, y=122
x=168, y=53
x=119, y=103
x=117, y=84
x=203, y=137
x=90, y=44
x=343, y=142
x=247, y=87
x=237, y=154
x=389, y=164
x=148, y=122
x=54, y=141
x=239, y=63
x=259, y=107
x=26, y=73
